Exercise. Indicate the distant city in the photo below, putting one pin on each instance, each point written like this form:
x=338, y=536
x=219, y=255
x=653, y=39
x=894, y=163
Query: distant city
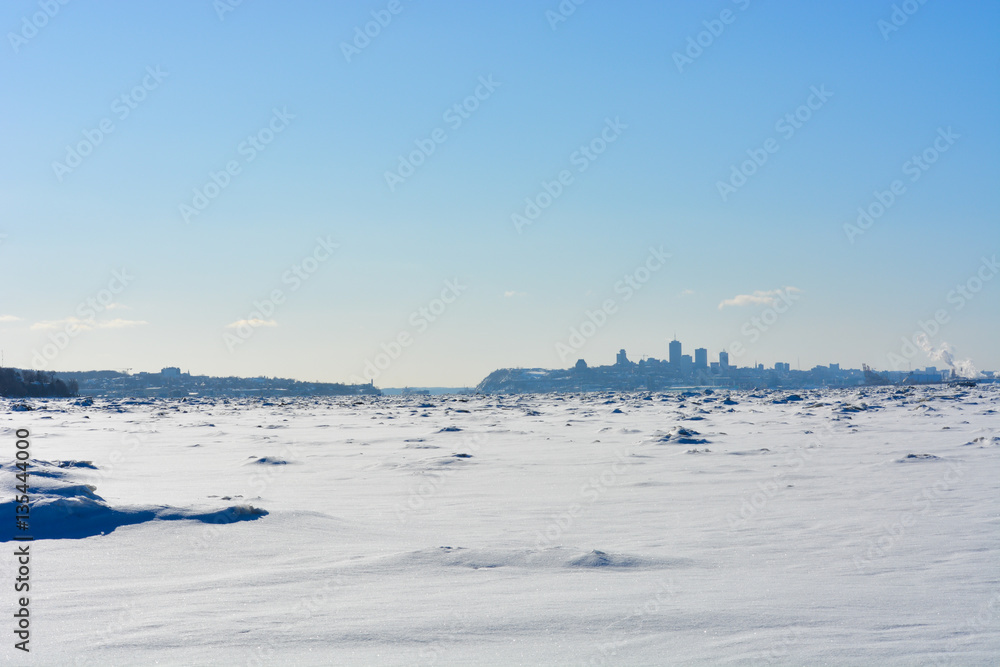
x=171, y=382
x=683, y=370
x=679, y=370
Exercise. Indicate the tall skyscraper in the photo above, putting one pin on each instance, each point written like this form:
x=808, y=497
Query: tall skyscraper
x=723, y=359
x=701, y=358
x=675, y=353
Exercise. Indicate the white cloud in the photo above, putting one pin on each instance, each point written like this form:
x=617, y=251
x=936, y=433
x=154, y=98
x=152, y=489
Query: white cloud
x=687, y=292
x=758, y=298
x=86, y=325
x=9, y=318
x=119, y=323
x=254, y=322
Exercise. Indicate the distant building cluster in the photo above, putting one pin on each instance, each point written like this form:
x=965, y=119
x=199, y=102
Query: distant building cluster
x=170, y=382
x=683, y=370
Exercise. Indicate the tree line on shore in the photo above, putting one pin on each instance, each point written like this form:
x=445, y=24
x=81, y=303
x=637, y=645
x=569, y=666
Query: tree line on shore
x=17, y=383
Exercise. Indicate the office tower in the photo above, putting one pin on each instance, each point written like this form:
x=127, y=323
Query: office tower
x=675, y=353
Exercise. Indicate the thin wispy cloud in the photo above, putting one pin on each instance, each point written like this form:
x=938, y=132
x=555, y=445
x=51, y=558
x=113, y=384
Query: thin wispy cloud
x=9, y=318
x=254, y=322
x=758, y=298
x=86, y=325
x=511, y=294
x=119, y=323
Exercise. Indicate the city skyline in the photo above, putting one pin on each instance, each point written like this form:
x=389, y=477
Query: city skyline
x=698, y=365
x=293, y=191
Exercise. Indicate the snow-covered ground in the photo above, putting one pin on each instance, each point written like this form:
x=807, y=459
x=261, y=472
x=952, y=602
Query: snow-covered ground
x=856, y=527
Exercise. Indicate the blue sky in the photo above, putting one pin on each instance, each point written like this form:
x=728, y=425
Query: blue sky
x=494, y=293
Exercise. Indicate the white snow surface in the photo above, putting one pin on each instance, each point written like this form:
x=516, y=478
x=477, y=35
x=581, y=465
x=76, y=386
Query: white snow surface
x=851, y=527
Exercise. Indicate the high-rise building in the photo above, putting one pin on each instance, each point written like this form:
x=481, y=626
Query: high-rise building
x=621, y=360
x=675, y=353
x=723, y=359
x=686, y=363
x=700, y=358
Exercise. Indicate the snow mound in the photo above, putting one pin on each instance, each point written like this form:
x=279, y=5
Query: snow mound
x=447, y=460
x=682, y=436
x=62, y=508
x=544, y=558
x=983, y=440
x=919, y=457
x=601, y=559
x=268, y=461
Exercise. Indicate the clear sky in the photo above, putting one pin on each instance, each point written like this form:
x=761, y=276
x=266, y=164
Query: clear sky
x=715, y=153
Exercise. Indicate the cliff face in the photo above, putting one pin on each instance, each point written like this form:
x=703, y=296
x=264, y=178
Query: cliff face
x=512, y=381
x=538, y=380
